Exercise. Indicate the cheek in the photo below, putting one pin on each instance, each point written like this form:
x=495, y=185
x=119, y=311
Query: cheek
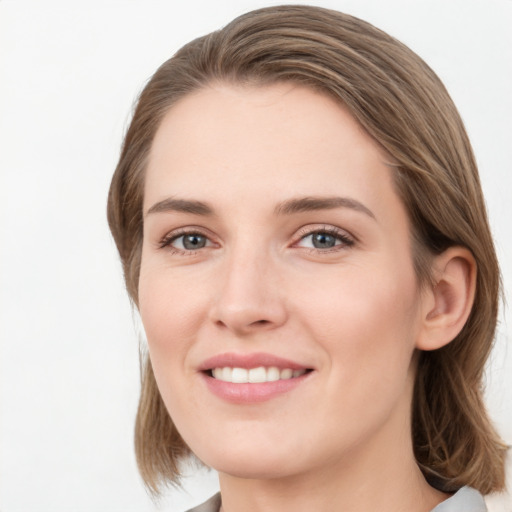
x=367, y=329
x=171, y=317
x=367, y=322
x=169, y=313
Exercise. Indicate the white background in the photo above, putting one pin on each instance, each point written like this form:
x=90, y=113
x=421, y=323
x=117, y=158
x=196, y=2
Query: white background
x=69, y=73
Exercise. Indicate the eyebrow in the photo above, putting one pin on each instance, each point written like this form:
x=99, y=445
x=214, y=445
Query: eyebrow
x=306, y=204
x=181, y=205
x=288, y=207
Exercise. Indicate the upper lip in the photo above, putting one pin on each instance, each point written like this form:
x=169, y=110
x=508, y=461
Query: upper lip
x=254, y=360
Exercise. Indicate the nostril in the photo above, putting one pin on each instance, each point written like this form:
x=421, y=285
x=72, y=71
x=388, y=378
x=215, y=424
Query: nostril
x=261, y=322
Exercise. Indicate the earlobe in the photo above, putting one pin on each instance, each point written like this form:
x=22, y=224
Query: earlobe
x=447, y=304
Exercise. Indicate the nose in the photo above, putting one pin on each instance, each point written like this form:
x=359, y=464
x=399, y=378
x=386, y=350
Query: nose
x=250, y=296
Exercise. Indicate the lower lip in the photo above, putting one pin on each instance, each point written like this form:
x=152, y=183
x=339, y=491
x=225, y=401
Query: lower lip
x=252, y=393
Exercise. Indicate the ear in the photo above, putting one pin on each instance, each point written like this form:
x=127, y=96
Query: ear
x=446, y=305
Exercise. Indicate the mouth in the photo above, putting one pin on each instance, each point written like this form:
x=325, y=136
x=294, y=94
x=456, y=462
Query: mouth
x=252, y=378
x=259, y=375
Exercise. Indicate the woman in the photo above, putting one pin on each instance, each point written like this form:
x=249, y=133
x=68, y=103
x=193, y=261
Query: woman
x=301, y=225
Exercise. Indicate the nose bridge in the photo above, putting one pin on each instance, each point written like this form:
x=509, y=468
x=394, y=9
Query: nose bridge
x=248, y=296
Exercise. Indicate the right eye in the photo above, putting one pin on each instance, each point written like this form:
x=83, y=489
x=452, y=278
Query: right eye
x=190, y=242
x=186, y=242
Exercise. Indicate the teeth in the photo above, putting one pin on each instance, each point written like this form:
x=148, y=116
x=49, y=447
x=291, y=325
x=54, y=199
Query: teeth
x=240, y=376
x=273, y=374
x=287, y=373
x=255, y=375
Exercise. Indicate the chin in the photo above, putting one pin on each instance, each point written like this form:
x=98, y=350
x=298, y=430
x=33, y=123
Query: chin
x=251, y=462
x=254, y=470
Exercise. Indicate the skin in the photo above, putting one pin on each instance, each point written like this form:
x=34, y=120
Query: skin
x=354, y=313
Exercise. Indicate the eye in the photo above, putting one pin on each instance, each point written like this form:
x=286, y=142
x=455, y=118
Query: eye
x=186, y=242
x=190, y=242
x=325, y=239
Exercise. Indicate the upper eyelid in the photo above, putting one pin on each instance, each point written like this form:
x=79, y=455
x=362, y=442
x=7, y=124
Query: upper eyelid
x=311, y=229
x=174, y=234
x=187, y=230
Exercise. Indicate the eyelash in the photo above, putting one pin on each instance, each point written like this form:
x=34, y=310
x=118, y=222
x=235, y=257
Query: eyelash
x=346, y=241
x=167, y=240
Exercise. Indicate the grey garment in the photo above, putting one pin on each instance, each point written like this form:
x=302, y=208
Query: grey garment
x=464, y=500
x=212, y=505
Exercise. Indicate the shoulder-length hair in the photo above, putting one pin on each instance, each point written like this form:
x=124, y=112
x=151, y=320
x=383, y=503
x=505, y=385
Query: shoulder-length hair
x=404, y=106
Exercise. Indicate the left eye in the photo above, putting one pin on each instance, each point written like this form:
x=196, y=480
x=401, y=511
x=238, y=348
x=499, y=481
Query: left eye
x=190, y=242
x=323, y=240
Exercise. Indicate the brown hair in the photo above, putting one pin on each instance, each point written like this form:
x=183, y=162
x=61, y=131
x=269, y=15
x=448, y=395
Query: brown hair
x=400, y=101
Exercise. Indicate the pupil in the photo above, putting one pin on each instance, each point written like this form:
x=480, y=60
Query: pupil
x=323, y=241
x=194, y=241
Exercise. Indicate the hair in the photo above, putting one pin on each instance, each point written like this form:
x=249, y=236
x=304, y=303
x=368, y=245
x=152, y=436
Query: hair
x=404, y=106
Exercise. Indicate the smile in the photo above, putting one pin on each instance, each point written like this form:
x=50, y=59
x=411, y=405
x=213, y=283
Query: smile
x=255, y=375
x=252, y=377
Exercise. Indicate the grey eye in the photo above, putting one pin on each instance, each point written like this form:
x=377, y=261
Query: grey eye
x=192, y=241
x=323, y=240
x=189, y=242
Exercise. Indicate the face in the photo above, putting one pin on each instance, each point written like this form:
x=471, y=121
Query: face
x=277, y=288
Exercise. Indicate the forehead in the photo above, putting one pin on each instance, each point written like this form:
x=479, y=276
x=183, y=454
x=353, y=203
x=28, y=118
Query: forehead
x=269, y=141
